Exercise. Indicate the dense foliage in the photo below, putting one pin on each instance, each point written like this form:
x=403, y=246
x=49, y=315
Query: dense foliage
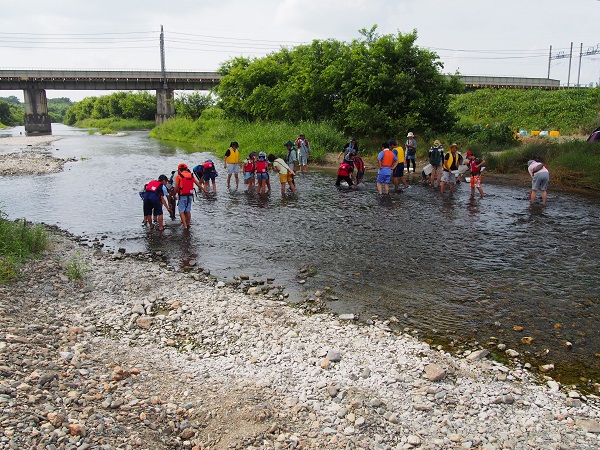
x=19, y=241
x=127, y=105
x=375, y=85
x=213, y=132
x=12, y=111
x=192, y=105
x=567, y=110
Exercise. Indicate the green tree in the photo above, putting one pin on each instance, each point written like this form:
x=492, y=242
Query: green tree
x=6, y=117
x=139, y=105
x=382, y=85
x=192, y=105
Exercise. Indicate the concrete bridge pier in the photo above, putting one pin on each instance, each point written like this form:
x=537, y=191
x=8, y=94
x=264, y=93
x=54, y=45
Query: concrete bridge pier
x=37, y=120
x=165, y=105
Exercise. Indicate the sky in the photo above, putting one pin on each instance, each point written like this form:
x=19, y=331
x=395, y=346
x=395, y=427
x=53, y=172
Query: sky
x=507, y=38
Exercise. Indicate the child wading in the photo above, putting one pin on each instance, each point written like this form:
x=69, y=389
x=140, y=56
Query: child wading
x=344, y=172
x=475, y=166
x=286, y=174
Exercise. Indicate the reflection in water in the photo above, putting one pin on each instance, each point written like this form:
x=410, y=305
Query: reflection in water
x=453, y=267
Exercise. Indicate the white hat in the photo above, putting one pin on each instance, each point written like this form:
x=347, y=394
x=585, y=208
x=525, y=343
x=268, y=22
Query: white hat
x=410, y=134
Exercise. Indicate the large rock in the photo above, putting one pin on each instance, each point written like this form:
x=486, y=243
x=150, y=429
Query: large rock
x=589, y=426
x=334, y=355
x=144, y=322
x=478, y=355
x=434, y=372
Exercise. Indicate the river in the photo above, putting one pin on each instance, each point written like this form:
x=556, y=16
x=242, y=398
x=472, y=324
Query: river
x=451, y=269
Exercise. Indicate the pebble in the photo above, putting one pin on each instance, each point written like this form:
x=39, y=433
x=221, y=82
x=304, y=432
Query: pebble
x=214, y=367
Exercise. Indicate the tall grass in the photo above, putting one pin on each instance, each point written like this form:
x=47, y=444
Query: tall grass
x=572, y=163
x=116, y=124
x=19, y=241
x=214, y=132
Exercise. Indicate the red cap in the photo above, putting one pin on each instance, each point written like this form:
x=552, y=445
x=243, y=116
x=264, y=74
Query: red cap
x=469, y=153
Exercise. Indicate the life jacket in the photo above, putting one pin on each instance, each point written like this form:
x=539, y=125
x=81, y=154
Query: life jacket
x=249, y=166
x=450, y=161
x=261, y=166
x=186, y=183
x=359, y=164
x=302, y=143
x=344, y=170
x=154, y=186
x=473, y=167
x=233, y=157
x=388, y=158
x=209, y=166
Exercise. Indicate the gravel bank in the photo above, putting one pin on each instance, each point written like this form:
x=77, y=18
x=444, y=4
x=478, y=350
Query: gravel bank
x=137, y=355
x=32, y=158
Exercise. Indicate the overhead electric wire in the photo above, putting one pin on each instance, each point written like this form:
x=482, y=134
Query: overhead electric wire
x=210, y=43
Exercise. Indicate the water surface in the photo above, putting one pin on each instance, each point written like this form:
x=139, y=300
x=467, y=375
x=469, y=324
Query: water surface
x=454, y=268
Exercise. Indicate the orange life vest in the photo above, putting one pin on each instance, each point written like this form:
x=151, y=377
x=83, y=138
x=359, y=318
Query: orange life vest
x=186, y=183
x=388, y=158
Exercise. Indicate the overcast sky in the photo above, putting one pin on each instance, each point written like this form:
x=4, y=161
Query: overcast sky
x=508, y=38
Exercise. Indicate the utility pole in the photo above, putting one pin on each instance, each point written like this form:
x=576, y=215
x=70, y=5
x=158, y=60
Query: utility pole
x=549, y=59
x=570, y=58
x=580, y=56
x=162, y=57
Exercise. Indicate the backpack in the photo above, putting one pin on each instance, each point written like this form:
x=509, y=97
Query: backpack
x=186, y=183
x=435, y=156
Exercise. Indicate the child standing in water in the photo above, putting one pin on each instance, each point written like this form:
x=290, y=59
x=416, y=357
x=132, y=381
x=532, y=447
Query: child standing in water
x=286, y=174
x=249, y=171
x=262, y=173
x=476, y=166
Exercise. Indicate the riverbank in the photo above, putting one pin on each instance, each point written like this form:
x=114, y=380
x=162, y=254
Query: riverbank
x=137, y=355
x=33, y=158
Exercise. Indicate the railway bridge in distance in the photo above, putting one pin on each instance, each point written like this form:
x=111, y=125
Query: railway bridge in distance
x=34, y=84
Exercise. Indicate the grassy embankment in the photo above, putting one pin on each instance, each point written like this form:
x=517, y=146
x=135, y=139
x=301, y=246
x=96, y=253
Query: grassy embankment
x=212, y=132
x=19, y=241
x=113, y=125
x=574, y=112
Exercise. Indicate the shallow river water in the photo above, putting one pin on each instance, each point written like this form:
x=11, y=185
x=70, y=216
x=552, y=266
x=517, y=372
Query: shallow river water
x=450, y=268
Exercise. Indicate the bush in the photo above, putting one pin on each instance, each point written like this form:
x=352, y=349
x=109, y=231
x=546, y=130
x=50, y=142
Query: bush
x=573, y=163
x=213, y=132
x=19, y=241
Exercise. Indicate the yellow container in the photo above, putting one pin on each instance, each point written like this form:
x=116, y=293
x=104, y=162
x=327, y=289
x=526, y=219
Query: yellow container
x=555, y=133
x=535, y=133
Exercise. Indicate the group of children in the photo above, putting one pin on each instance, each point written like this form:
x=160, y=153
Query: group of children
x=444, y=168
x=256, y=173
x=177, y=191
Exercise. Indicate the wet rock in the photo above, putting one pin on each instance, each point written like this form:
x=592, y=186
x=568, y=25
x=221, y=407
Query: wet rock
x=546, y=368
